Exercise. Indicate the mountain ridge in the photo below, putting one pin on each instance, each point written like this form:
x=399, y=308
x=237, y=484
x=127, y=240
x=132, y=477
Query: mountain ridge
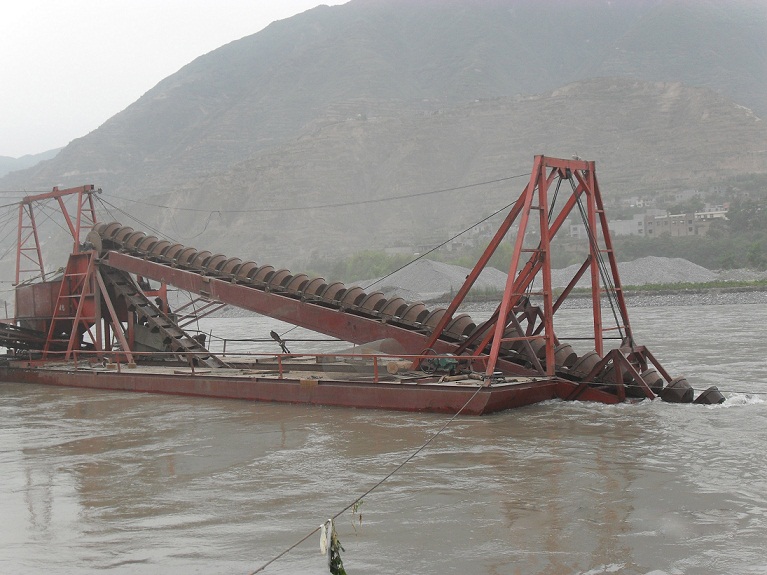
x=379, y=98
x=9, y=164
x=354, y=160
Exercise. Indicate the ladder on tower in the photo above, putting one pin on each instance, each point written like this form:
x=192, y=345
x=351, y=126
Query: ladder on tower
x=75, y=312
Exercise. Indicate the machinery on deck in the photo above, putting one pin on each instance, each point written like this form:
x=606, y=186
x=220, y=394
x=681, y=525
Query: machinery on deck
x=101, y=306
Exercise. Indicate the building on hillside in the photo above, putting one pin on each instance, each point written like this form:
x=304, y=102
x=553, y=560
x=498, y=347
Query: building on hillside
x=684, y=196
x=632, y=227
x=639, y=202
x=714, y=212
x=689, y=224
x=636, y=225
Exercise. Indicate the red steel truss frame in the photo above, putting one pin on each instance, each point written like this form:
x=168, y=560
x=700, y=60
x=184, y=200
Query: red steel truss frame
x=538, y=216
x=536, y=205
x=77, y=309
x=28, y=240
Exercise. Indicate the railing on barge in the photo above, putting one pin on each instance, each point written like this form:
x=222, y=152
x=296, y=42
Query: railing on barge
x=376, y=363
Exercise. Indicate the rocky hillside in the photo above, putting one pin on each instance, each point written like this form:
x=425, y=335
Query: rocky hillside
x=378, y=98
x=346, y=167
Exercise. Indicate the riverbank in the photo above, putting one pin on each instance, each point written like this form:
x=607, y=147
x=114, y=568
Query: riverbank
x=701, y=296
x=648, y=282
x=697, y=296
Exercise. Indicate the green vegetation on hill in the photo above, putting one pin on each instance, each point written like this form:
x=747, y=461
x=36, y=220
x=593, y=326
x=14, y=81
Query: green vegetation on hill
x=740, y=242
x=730, y=251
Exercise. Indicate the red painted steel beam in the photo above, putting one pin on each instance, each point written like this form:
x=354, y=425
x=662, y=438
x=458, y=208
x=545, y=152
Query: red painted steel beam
x=545, y=258
x=22, y=240
x=85, y=207
x=113, y=318
x=596, y=303
x=331, y=322
x=531, y=269
x=57, y=193
x=476, y=271
x=506, y=303
x=334, y=323
x=612, y=261
x=517, y=208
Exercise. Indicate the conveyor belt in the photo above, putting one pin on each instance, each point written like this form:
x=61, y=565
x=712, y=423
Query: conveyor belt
x=316, y=290
x=15, y=337
x=147, y=312
x=376, y=311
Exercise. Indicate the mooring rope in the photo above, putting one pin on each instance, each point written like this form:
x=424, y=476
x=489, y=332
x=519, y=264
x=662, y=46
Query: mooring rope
x=374, y=487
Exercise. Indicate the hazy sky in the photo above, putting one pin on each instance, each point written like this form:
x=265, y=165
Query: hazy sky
x=69, y=65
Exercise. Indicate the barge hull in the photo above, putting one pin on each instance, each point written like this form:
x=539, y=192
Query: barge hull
x=422, y=397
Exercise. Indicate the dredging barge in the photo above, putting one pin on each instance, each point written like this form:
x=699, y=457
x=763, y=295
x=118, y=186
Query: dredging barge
x=100, y=324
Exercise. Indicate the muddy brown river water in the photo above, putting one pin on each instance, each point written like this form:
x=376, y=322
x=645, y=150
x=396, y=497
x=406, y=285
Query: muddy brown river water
x=120, y=483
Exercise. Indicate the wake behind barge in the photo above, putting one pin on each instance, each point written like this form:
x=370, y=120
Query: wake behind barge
x=100, y=325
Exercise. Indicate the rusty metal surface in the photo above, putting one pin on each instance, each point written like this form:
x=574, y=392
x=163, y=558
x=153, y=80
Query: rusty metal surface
x=678, y=390
x=393, y=396
x=21, y=338
x=345, y=326
x=519, y=338
x=156, y=319
x=526, y=337
x=711, y=396
x=36, y=302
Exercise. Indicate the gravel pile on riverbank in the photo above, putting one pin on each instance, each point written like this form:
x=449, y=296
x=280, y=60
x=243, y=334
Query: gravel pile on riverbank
x=713, y=296
x=644, y=271
x=741, y=275
x=426, y=279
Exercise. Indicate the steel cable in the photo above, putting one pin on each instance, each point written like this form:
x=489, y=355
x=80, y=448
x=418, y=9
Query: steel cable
x=326, y=206
x=377, y=485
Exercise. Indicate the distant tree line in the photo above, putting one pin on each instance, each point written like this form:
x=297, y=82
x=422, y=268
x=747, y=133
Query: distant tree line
x=739, y=242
